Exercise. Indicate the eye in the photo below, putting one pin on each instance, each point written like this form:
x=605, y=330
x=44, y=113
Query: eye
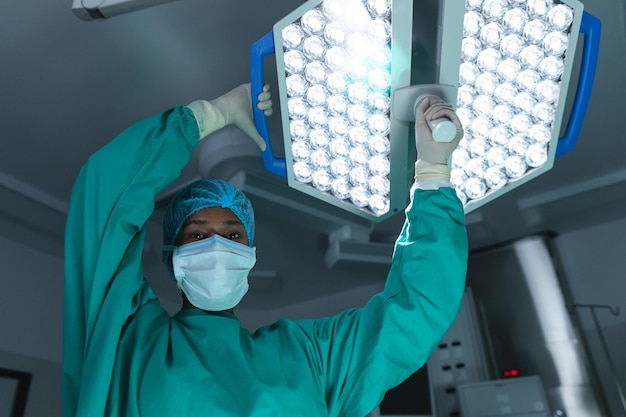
x=198, y=235
x=233, y=235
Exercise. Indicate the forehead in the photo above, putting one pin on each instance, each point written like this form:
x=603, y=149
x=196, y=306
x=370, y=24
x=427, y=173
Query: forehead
x=213, y=215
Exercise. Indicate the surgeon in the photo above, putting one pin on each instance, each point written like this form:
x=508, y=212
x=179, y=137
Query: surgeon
x=125, y=356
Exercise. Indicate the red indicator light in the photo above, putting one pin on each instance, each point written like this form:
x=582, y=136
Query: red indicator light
x=511, y=373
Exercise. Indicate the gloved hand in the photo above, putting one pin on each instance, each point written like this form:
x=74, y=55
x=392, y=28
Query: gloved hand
x=234, y=107
x=433, y=156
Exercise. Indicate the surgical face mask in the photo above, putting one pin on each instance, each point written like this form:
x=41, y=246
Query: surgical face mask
x=213, y=272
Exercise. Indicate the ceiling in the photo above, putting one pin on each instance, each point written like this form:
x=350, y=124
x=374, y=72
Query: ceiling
x=68, y=86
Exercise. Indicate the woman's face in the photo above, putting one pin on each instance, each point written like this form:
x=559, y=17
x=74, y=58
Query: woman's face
x=206, y=223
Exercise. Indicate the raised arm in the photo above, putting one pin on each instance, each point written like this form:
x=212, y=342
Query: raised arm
x=111, y=200
x=364, y=352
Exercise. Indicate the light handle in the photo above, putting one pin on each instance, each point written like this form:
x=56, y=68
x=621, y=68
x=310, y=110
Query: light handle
x=591, y=27
x=259, y=50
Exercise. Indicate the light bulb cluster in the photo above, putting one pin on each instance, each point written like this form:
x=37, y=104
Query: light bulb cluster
x=512, y=61
x=337, y=60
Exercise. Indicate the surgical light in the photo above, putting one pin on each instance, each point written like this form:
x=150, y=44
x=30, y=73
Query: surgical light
x=513, y=74
x=344, y=85
x=338, y=62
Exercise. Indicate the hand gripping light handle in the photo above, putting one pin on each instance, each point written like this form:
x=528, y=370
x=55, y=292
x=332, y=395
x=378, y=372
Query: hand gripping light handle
x=260, y=49
x=442, y=129
x=591, y=27
x=406, y=99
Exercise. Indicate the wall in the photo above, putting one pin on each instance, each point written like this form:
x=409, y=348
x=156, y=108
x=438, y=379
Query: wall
x=594, y=263
x=31, y=322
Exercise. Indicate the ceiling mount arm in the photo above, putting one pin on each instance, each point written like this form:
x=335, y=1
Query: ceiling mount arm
x=103, y=9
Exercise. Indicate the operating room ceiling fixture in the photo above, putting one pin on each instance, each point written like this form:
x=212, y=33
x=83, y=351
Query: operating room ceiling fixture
x=102, y=9
x=346, y=101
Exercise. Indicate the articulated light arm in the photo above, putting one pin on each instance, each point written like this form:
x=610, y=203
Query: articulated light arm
x=102, y=9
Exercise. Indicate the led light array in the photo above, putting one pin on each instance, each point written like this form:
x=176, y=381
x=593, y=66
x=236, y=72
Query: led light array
x=337, y=60
x=509, y=85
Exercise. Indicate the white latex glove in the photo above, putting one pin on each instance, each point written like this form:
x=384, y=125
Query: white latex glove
x=433, y=156
x=234, y=107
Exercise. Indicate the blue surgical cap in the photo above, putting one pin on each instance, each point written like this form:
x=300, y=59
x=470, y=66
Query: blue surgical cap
x=198, y=196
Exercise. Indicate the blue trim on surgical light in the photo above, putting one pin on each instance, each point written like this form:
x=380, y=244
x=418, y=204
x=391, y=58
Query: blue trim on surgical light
x=591, y=27
x=260, y=49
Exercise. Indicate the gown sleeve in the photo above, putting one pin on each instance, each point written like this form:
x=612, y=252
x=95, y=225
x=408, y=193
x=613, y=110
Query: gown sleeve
x=111, y=200
x=362, y=353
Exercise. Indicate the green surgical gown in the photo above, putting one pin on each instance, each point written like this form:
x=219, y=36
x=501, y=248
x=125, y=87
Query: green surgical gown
x=125, y=356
